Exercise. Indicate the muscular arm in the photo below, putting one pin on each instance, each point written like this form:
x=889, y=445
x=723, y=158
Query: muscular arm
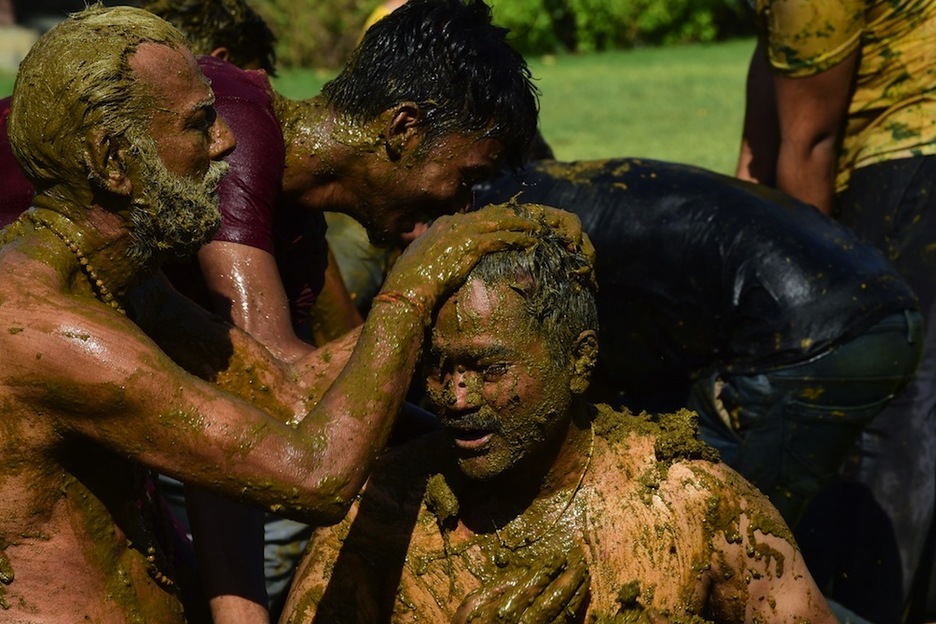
x=811, y=113
x=798, y=129
x=115, y=386
x=246, y=289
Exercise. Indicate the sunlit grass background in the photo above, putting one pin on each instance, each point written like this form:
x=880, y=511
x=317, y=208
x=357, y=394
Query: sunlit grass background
x=683, y=103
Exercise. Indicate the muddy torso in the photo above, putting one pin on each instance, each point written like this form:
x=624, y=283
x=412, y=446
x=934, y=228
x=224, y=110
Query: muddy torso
x=647, y=528
x=76, y=522
x=698, y=269
x=630, y=539
x=67, y=556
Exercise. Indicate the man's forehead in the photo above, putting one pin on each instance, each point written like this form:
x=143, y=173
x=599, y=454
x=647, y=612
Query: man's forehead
x=478, y=308
x=169, y=71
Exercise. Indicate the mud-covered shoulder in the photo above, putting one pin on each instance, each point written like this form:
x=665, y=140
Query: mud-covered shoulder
x=687, y=472
x=398, y=481
x=363, y=554
x=675, y=436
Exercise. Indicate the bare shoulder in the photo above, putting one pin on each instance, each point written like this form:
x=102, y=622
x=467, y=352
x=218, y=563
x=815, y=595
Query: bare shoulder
x=692, y=534
x=659, y=453
x=664, y=459
x=52, y=334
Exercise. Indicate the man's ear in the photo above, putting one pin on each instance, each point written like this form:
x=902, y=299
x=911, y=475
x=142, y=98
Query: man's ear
x=401, y=129
x=584, y=359
x=106, y=158
x=222, y=53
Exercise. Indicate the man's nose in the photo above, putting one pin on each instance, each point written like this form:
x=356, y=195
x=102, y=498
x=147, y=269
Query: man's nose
x=222, y=139
x=464, y=389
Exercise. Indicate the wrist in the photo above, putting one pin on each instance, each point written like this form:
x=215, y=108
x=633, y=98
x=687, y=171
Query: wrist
x=404, y=300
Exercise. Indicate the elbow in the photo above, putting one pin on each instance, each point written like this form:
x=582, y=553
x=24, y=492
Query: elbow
x=330, y=502
x=334, y=511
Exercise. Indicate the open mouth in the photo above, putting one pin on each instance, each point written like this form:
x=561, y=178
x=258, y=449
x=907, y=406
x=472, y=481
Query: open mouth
x=469, y=439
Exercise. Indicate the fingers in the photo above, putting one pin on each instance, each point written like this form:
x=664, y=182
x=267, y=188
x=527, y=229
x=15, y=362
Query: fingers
x=566, y=224
x=564, y=599
x=519, y=601
x=477, y=606
x=567, y=595
x=554, y=592
x=569, y=227
x=439, y=260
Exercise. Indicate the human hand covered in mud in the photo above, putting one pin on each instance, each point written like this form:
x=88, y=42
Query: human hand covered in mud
x=630, y=610
x=438, y=261
x=555, y=590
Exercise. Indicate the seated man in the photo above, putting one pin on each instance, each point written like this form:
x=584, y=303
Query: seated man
x=530, y=502
x=784, y=331
x=113, y=124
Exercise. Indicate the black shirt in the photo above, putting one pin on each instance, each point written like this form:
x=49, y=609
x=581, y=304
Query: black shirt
x=697, y=269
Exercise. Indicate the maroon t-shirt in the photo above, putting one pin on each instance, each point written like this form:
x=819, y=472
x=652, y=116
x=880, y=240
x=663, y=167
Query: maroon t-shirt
x=252, y=210
x=16, y=192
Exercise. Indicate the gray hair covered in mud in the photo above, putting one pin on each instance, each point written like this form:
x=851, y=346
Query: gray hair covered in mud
x=554, y=277
x=76, y=79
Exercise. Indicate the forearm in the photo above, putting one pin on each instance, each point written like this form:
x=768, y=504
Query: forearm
x=760, y=141
x=357, y=412
x=247, y=291
x=807, y=171
x=812, y=111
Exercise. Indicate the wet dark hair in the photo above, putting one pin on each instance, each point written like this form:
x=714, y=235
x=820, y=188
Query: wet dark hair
x=447, y=57
x=212, y=24
x=556, y=281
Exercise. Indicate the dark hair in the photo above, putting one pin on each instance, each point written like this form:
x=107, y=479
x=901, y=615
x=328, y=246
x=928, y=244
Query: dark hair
x=447, y=57
x=555, y=279
x=212, y=24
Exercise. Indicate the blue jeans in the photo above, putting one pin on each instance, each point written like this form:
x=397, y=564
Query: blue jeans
x=789, y=430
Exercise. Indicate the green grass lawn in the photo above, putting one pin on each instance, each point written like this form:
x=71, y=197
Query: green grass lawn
x=683, y=103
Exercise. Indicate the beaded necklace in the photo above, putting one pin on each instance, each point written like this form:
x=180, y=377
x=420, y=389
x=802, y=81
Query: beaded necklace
x=102, y=292
x=529, y=539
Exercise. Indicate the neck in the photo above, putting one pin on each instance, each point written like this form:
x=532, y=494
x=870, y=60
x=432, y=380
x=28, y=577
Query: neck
x=91, y=248
x=560, y=469
x=325, y=155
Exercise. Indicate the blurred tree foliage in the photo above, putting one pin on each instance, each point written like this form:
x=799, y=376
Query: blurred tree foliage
x=314, y=33
x=322, y=33
x=549, y=26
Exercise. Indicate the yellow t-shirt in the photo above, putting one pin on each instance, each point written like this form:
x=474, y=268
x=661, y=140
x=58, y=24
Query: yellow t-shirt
x=376, y=15
x=892, y=113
